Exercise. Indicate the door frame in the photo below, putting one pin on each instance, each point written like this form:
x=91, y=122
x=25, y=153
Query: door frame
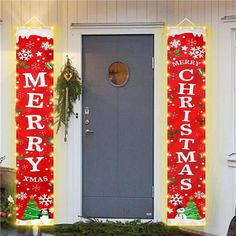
x=159, y=110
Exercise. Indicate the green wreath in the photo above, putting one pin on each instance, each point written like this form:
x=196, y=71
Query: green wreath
x=68, y=89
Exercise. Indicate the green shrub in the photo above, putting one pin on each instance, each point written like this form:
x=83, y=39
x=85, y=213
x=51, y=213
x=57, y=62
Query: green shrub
x=7, y=205
x=94, y=227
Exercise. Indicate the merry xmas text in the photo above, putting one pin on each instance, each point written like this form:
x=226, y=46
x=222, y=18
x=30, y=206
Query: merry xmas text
x=34, y=143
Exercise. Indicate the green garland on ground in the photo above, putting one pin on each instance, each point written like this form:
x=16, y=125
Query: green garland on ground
x=68, y=89
x=94, y=227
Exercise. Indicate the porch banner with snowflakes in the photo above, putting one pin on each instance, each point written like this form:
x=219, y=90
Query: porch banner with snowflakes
x=186, y=126
x=34, y=126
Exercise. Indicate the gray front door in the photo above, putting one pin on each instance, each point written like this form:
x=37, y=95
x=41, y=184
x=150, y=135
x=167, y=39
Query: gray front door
x=117, y=127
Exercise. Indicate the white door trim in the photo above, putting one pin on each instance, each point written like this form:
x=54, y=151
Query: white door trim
x=1, y=105
x=113, y=26
x=75, y=53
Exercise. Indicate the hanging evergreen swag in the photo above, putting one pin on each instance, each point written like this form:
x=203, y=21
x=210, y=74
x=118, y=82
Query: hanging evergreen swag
x=68, y=89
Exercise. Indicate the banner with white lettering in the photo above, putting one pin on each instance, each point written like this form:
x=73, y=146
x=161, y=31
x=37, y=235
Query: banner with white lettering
x=186, y=126
x=34, y=126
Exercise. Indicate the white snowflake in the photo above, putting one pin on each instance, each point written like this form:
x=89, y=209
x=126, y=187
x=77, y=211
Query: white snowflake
x=184, y=48
x=198, y=194
x=202, y=205
x=35, y=66
x=35, y=187
x=46, y=45
x=176, y=199
x=197, y=135
x=25, y=54
x=22, y=195
x=28, y=110
x=174, y=116
x=192, y=42
x=173, y=188
x=197, y=52
x=175, y=43
x=25, y=167
x=20, y=205
x=45, y=200
x=173, y=76
x=20, y=94
x=200, y=147
x=173, y=169
x=43, y=132
x=30, y=44
x=21, y=141
x=47, y=119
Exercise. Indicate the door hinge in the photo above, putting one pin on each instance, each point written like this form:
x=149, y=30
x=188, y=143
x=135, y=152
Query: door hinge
x=152, y=191
x=153, y=62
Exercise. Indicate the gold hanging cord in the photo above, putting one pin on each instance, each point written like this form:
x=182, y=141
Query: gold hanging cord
x=186, y=20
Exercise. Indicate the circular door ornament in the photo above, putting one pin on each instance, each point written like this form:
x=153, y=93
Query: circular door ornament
x=118, y=74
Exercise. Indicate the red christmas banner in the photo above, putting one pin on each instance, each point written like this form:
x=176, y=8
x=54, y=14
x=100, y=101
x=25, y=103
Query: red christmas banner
x=34, y=127
x=186, y=127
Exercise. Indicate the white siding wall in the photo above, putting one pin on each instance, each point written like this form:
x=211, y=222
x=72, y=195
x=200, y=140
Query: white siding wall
x=221, y=184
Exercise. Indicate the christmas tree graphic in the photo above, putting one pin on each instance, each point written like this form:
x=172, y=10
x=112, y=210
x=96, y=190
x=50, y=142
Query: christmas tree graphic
x=191, y=210
x=32, y=210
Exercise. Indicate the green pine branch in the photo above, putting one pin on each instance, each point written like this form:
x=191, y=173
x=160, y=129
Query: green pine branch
x=74, y=86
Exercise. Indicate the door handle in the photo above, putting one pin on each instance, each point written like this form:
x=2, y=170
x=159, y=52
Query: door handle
x=88, y=131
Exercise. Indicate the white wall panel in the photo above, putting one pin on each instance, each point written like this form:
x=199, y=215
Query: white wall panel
x=200, y=8
x=187, y=9
x=43, y=11
x=212, y=42
x=101, y=11
x=53, y=12
x=151, y=11
x=72, y=12
x=141, y=11
x=36, y=10
x=61, y=154
x=121, y=11
x=111, y=11
x=170, y=13
x=0, y=9
x=194, y=11
x=229, y=7
x=181, y=10
x=208, y=12
x=16, y=17
x=131, y=11
x=161, y=10
x=92, y=12
x=8, y=85
x=234, y=6
x=1, y=86
x=26, y=11
x=82, y=8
